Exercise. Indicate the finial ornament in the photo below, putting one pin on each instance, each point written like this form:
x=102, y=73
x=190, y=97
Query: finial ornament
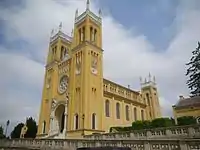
x=72, y=32
x=149, y=76
x=60, y=26
x=141, y=80
x=154, y=79
x=88, y=5
x=76, y=13
x=52, y=31
x=100, y=13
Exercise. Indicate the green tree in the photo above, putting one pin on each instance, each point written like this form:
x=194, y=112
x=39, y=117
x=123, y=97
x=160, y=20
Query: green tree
x=1, y=133
x=186, y=120
x=17, y=131
x=194, y=72
x=162, y=122
x=139, y=125
x=32, y=128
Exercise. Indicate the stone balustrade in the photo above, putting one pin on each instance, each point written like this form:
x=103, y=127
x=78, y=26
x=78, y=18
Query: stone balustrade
x=172, y=138
x=72, y=144
x=158, y=133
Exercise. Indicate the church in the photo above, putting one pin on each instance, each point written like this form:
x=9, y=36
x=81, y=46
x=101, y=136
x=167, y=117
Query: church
x=76, y=99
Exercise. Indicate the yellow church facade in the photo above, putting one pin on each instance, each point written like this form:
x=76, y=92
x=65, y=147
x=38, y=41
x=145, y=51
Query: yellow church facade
x=76, y=99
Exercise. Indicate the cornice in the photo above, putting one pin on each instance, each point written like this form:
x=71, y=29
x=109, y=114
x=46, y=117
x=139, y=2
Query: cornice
x=86, y=43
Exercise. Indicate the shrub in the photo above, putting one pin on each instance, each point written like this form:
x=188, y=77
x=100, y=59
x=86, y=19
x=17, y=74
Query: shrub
x=162, y=122
x=186, y=120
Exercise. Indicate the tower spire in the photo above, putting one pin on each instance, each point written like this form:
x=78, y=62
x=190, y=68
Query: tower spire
x=154, y=79
x=76, y=13
x=100, y=13
x=149, y=77
x=60, y=26
x=88, y=5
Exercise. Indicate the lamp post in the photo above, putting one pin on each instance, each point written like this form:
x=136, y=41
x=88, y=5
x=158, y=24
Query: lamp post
x=7, y=124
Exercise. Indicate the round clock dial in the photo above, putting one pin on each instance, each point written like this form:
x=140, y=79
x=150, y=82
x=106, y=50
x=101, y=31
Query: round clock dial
x=63, y=84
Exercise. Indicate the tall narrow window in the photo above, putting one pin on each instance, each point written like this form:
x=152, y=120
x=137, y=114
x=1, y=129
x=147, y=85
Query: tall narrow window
x=135, y=114
x=83, y=34
x=76, y=121
x=95, y=35
x=91, y=33
x=43, y=127
x=142, y=115
x=79, y=31
x=107, y=108
x=93, y=121
x=118, y=111
x=148, y=98
x=127, y=112
x=62, y=51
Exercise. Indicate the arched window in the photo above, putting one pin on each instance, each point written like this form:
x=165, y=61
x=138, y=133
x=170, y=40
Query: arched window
x=127, y=112
x=148, y=99
x=107, y=108
x=135, y=114
x=61, y=53
x=93, y=121
x=76, y=121
x=118, y=111
x=91, y=33
x=79, y=31
x=95, y=35
x=43, y=126
x=142, y=115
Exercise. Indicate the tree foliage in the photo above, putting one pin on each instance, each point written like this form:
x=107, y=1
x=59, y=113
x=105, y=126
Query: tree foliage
x=194, y=72
x=32, y=128
x=17, y=131
x=186, y=120
x=1, y=133
x=140, y=125
x=31, y=132
x=162, y=122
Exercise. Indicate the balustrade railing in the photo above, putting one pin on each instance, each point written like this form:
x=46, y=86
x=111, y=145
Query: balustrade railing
x=157, y=133
x=172, y=138
x=53, y=144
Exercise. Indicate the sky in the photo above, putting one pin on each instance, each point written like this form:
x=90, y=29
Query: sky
x=139, y=37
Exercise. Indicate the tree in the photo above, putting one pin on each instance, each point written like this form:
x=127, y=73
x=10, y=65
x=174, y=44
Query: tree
x=17, y=131
x=32, y=128
x=1, y=133
x=162, y=122
x=194, y=72
x=186, y=120
x=31, y=132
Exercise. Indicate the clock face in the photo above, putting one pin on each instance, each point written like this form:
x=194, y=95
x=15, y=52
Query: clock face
x=63, y=84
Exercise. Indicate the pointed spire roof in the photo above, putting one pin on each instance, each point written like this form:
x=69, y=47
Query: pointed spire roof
x=88, y=12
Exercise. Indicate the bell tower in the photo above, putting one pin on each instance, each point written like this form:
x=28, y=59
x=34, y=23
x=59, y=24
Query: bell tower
x=53, y=110
x=150, y=95
x=86, y=76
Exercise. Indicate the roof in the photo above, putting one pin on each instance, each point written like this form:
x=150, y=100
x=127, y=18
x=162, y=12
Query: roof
x=188, y=102
x=136, y=92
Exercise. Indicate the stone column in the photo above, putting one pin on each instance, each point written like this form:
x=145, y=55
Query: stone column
x=65, y=120
x=51, y=125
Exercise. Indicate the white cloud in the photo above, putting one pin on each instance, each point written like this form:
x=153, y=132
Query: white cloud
x=127, y=55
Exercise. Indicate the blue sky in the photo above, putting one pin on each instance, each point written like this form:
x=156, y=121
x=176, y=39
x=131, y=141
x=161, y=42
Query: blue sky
x=139, y=37
x=152, y=18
